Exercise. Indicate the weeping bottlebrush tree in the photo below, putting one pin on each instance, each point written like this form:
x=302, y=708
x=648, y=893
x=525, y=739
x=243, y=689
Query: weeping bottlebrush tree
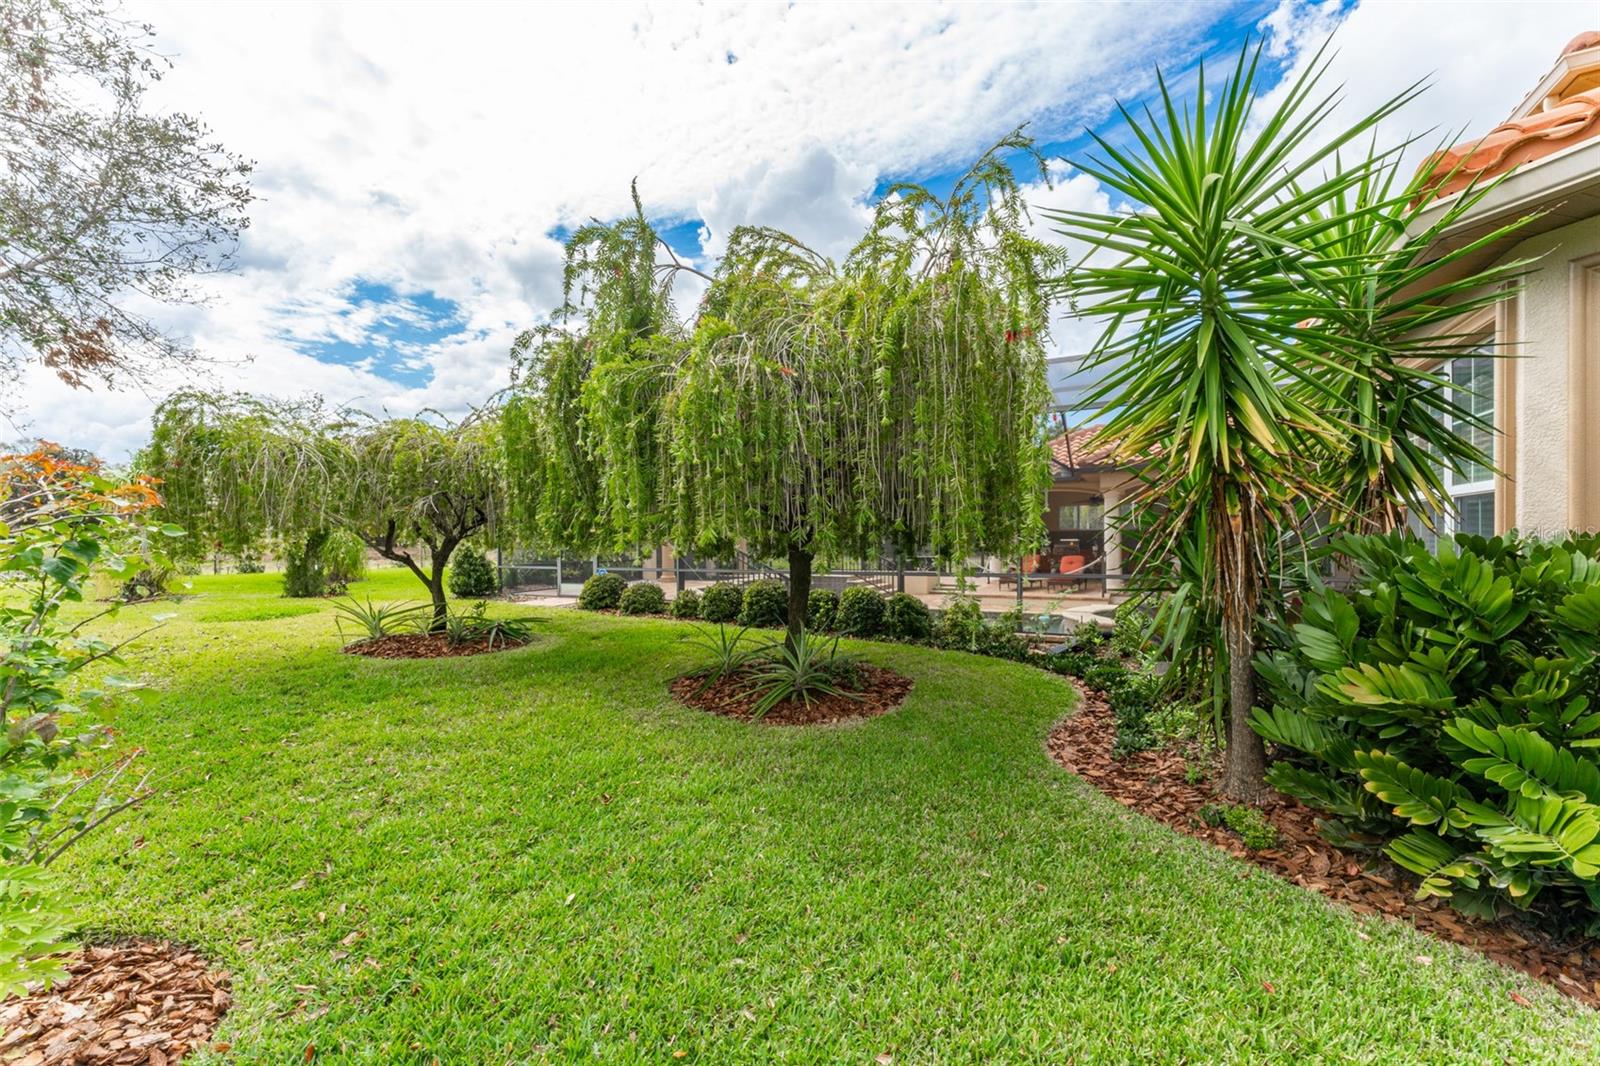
x=810, y=409
x=232, y=463
x=1241, y=344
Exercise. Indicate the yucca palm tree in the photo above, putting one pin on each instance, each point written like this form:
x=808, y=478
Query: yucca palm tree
x=1224, y=302
x=1398, y=308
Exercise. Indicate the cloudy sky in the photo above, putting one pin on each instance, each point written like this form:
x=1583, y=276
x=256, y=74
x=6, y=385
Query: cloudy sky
x=418, y=163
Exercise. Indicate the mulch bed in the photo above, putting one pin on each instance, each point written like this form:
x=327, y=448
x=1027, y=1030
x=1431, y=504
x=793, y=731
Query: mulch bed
x=1152, y=783
x=882, y=690
x=424, y=646
x=140, y=1001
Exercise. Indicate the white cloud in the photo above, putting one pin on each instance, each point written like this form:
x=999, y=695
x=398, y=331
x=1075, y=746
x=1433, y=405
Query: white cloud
x=433, y=148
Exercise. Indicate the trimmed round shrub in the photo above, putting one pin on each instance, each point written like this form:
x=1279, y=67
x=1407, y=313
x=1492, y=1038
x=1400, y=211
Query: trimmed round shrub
x=822, y=610
x=686, y=605
x=907, y=618
x=721, y=603
x=860, y=612
x=643, y=597
x=602, y=592
x=471, y=575
x=766, y=605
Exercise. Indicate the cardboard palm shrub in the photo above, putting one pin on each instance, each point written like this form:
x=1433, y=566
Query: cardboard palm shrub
x=471, y=575
x=1448, y=705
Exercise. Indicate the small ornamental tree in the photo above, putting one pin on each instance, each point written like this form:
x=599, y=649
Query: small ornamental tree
x=811, y=409
x=235, y=463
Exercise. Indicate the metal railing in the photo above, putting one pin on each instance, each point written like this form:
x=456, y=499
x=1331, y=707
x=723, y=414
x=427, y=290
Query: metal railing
x=561, y=576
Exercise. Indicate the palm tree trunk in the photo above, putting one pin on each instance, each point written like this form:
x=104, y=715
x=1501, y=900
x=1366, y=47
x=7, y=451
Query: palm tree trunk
x=1246, y=764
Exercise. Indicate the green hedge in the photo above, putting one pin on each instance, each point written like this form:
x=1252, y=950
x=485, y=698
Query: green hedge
x=721, y=603
x=643, y=597
x=765, y=605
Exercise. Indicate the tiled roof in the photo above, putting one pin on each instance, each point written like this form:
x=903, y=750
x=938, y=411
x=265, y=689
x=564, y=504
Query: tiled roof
x=1072, y=450
x=1569, y=115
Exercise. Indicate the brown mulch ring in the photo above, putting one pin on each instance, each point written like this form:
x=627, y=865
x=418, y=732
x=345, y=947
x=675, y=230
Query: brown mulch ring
x=1152, y=783
x=138, y=1001
x=424, y=646
x=882, y=690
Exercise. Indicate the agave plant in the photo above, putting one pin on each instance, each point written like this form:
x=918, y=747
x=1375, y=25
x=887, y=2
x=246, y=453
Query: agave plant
x=474, y=625
x=802, y=668
x=1234, y=357
x=373, y=620
x=728, y=655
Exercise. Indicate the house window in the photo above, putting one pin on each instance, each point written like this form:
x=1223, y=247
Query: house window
x=1080, y=516
x=1471, y=487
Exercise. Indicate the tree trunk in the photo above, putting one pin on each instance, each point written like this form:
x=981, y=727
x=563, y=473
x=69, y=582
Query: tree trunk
x=441, y=608
x=1246, y=764
x=799, y=593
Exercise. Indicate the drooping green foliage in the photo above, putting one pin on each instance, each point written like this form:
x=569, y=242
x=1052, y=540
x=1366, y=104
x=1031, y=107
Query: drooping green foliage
x=1449, y=706
x=810, y=408
x=412, y=490
x=1260, y=301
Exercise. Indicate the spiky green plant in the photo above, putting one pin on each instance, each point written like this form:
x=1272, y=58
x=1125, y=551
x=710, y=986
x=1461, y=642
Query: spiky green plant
x=1235, y=348
x=803, y=669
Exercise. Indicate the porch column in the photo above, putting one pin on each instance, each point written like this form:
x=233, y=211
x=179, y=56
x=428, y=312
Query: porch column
x=1113, y=538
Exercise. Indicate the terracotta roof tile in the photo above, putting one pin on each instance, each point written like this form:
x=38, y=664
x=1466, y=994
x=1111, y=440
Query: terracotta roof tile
x=1073, y=449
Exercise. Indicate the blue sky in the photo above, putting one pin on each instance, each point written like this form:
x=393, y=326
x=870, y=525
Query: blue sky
x=417, y=165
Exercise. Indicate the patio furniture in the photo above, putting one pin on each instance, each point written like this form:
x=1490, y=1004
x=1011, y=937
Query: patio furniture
x=1066, y=571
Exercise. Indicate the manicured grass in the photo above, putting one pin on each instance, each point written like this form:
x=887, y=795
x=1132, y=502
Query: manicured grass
x=537, y=856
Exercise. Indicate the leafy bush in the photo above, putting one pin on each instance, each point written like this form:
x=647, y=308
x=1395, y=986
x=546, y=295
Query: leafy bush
x=1131, y=628
x=959, y=625
x=809, y=669
x=147, y=583
x=1134, y=700
x=1087, y=635
x=63, y=519
x=344, y=560
x=1248, y=822
x=1450, y=705
x=765, y=605
x=721, y=603
x=860, y=612
x=1001, y=640
x=250, y=562
x=1071, y=663
x=472, y=576
x=304, y=569
x=822, y=610
x=373, y=620
x=907, y=618
x=1105, y=675
x=686, y=605
x=643, y=597
x=601, y=592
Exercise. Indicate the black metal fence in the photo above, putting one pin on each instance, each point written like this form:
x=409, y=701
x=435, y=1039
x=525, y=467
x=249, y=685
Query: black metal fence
x=525, y=573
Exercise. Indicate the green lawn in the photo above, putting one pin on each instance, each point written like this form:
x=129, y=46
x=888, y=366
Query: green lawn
x=541, y=857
